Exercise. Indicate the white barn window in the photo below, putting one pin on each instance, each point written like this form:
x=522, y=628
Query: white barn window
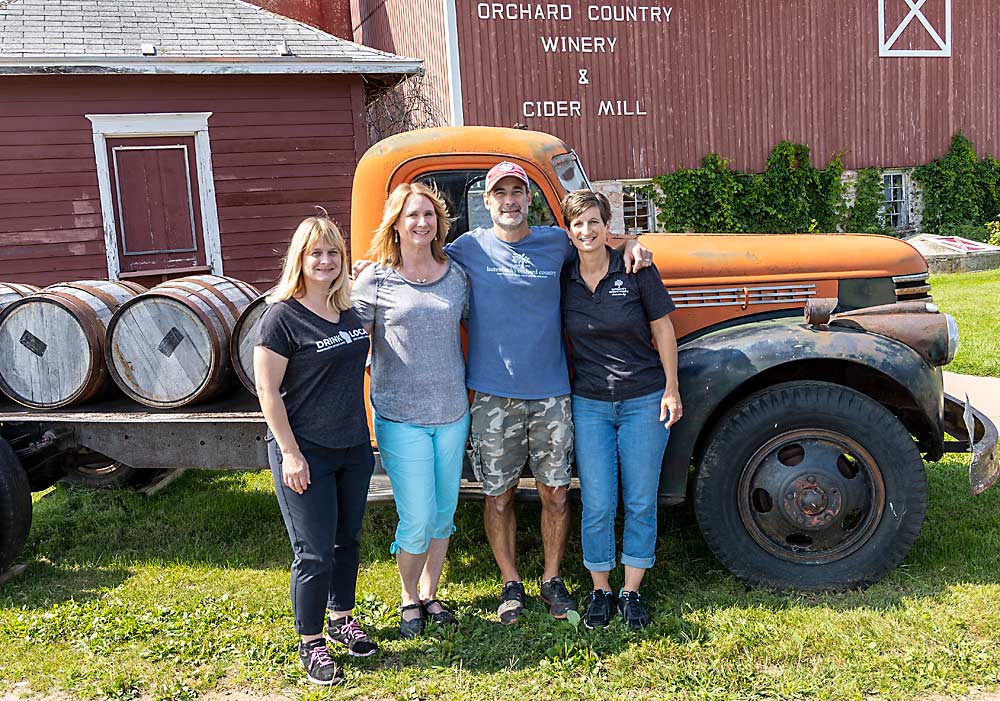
x=637, y=208
x=896, y=206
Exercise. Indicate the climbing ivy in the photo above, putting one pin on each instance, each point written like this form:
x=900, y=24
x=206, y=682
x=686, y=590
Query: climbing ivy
x=961, y=192
x=789, y=196
x=866, y=215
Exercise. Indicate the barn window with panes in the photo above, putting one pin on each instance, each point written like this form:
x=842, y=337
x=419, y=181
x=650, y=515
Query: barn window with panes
x=637, y=209
x=895, y=206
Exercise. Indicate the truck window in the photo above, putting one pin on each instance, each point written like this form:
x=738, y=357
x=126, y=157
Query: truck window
x=463, y=191
x=570, y=172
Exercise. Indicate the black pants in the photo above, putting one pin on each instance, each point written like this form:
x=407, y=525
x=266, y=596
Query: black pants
x=324, y=526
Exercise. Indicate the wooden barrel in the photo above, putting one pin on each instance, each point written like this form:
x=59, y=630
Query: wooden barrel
x=52, y=342
x=169, y=347
x=12, y=291
x=242, y=343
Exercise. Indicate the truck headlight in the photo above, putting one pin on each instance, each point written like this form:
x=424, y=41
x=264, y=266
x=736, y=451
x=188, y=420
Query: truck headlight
x=952, y=338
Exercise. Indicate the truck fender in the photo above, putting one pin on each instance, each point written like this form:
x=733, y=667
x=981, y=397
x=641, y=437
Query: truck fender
x=718, y=368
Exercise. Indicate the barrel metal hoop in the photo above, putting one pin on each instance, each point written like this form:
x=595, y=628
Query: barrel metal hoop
x=217, y=294
x=106, y=299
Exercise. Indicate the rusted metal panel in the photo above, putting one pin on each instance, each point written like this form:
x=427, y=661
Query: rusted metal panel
x=280, y=145
x=414, y=28
x=732, y=77
x=332, y=16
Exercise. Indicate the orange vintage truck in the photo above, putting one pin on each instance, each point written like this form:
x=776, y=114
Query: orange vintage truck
x=810, y=367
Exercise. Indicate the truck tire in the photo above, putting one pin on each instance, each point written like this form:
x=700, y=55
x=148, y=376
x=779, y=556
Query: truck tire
x=15, y=506
x=810, y=486
x=105, y=475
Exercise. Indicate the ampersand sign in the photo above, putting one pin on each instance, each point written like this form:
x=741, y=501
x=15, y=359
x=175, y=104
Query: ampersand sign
x=584, y=80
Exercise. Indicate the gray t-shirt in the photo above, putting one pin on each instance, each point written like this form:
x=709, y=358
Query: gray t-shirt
x=418, y=368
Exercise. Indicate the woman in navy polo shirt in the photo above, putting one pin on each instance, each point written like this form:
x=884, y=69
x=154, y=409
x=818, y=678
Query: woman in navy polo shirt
x=625, y=399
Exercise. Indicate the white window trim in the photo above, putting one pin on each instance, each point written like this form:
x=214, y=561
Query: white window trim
x=163, y=124
x=905, y=202
x=641, y=182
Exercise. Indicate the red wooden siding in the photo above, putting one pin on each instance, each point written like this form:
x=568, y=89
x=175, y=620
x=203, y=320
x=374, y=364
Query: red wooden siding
x=280, y=145
x=413, y=28
x=332, y=16
x=736, y=77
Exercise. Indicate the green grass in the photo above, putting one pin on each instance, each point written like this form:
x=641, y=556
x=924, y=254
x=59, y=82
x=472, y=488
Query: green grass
x=185, y=592
x=974, y=300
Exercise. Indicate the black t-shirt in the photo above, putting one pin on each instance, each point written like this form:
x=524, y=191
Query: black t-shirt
x=323, y=387
x=613, y=354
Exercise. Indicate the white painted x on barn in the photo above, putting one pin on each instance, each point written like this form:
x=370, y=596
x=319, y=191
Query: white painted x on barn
x=916, y=13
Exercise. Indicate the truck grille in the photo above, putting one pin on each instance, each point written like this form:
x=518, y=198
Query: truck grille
x=743, y=296
x=912, y=288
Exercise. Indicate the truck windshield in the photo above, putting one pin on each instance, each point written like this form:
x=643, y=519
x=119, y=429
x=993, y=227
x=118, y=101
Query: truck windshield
x=570, y=172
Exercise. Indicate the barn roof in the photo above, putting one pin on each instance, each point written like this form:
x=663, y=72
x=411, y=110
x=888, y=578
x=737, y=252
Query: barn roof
x=174, y=36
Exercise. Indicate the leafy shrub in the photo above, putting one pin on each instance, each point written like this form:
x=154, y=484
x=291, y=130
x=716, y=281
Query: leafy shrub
x=960, y=191
x=866, y=215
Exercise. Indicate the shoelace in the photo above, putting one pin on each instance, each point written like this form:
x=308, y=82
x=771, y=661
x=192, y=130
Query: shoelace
x=319, y=655
x=352, y=631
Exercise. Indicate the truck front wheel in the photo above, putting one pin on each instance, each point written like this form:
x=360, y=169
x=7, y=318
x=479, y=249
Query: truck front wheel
x=810, y=486
x=15, y=506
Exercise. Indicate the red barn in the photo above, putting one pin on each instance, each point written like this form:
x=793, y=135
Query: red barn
x=146, y=139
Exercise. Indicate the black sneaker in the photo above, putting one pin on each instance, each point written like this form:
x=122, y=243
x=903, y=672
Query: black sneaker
x=633, y=612
x=557, y=598
x=600, y=609
x=511, y=602
x=346, y=631
x=320, y=668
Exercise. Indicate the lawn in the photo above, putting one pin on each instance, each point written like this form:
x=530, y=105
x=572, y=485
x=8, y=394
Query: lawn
x=185, y=592
x=974, y=300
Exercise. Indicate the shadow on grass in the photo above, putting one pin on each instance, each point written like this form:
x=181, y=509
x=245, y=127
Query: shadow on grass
x=84, y=541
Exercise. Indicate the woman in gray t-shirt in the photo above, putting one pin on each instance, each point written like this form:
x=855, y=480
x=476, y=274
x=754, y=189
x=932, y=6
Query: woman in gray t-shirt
x=412, y=300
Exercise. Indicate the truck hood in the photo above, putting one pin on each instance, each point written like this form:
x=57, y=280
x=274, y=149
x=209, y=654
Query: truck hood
x=718, y=259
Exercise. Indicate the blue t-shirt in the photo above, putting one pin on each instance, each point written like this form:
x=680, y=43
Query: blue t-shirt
x=515, y=326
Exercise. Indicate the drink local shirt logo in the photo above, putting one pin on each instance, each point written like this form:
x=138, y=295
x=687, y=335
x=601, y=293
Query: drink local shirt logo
x=520, y=266
x=341, y=339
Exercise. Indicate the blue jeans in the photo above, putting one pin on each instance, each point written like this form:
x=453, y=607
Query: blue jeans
x=424, y=464
x=615, y=438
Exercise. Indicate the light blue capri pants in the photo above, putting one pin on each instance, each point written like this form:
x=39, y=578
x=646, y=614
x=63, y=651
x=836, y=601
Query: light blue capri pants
x=424, y=464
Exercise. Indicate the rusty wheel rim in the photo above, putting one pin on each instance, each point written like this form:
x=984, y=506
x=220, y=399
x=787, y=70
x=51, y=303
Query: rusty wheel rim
x=811, y=496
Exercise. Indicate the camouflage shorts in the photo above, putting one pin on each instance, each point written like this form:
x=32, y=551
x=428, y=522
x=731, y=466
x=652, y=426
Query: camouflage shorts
x=508, y=433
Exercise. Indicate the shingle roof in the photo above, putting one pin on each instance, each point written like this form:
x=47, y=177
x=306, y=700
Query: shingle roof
x=97, y=33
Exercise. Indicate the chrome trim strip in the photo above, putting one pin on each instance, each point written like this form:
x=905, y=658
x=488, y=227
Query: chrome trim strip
x=915, y=277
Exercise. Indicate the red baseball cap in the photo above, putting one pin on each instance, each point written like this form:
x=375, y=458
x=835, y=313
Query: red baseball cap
x=505, y=169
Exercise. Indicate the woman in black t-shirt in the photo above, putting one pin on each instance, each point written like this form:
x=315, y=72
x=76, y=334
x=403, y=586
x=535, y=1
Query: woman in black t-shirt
x=309, y=366
x=625, y=399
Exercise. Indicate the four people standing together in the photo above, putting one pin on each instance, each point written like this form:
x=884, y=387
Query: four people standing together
x=519, y=287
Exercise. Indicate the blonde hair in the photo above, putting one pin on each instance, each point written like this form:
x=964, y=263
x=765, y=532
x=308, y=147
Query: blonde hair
x=313, y=231
x=385, y=244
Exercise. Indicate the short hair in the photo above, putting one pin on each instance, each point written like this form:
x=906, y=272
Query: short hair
x=385, y=244
x=579, y=201
x=311, y=232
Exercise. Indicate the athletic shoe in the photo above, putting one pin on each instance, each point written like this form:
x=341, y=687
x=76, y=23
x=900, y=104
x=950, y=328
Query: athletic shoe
x=557, y=598
x=320, y=669
x=511, y=602
x=633, y=612
x=346, y=631
x=600, y=609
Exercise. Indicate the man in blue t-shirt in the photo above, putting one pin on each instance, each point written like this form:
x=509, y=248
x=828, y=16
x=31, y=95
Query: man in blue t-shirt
x=517, y=366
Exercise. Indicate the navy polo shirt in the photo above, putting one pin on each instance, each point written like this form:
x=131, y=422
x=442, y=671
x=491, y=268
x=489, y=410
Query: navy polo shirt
x=613, y=354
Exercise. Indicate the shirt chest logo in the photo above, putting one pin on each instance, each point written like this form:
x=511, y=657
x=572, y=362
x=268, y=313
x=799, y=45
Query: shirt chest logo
x=618, y=289
x=520, y=265
x=341, y=339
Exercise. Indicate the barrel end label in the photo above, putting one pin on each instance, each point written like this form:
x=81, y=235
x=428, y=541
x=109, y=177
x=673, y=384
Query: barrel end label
x=33, y=343
x=170, y=342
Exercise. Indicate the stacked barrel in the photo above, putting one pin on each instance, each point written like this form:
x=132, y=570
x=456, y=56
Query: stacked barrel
x=173, y=345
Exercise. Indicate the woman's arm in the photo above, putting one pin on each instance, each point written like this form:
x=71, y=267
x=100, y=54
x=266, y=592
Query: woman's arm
x=666, y=346
x=269, y=370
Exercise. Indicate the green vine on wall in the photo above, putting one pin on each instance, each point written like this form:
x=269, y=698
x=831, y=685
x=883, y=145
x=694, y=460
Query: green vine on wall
x=791, y=195
x=961, y=192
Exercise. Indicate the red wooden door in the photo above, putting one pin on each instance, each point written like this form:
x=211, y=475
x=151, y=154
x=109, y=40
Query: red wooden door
x=154, y=188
